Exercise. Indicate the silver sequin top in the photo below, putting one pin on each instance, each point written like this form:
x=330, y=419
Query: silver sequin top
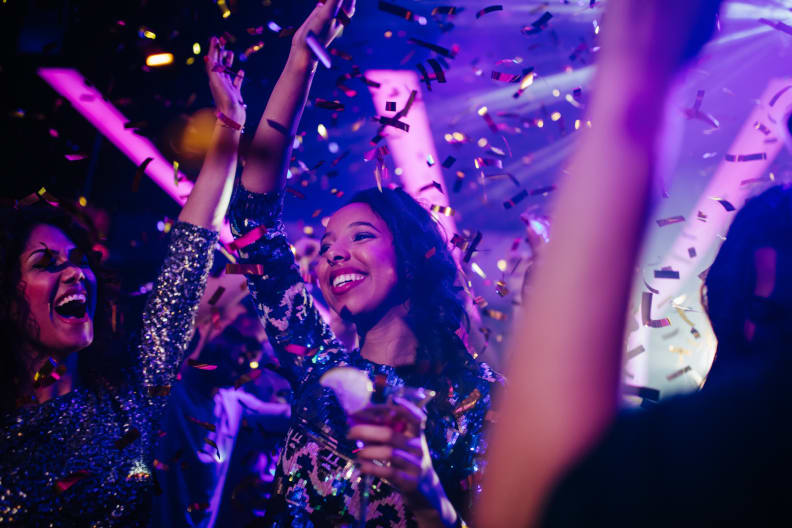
x=85, y=458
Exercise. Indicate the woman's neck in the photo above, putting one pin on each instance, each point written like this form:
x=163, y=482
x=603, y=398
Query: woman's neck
x=390, y=341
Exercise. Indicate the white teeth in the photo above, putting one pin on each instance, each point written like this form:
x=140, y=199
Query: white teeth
x=349, y=277
x=73, y=297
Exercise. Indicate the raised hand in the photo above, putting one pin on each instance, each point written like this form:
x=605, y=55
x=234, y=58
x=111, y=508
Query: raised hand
x=326, y=22
x=225, y=84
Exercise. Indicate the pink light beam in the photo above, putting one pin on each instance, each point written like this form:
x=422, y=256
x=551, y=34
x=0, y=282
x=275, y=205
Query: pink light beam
x=110, y=121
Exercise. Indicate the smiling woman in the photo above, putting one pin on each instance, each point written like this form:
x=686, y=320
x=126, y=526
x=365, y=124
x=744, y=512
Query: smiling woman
x=76, y=442
x=385, y=267
x=45, y=317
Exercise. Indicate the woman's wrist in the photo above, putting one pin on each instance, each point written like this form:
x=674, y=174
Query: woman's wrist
x=431, y=506
x=300, y=62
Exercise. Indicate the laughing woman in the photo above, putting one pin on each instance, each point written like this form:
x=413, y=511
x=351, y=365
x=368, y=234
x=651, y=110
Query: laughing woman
x=385, y=267
x=76, y=434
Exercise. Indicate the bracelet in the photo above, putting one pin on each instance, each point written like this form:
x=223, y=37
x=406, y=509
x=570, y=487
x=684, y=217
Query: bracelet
x=228, y=122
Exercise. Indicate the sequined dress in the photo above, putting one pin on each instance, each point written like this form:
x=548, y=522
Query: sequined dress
x=317, y=483
x=85, y=458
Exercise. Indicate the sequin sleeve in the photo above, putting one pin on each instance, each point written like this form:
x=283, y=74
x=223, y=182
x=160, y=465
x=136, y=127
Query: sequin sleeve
x=170, y=309
x=466, y=463
x=294, y=326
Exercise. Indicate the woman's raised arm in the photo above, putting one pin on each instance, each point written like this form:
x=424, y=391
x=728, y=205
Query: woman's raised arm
x=567, y=346
x=268, y=160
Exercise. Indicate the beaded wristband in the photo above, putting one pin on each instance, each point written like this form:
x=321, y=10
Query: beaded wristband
x=228, y=122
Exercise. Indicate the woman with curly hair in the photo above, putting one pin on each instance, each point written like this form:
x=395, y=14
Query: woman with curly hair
x=384, y=266
x=77, y=428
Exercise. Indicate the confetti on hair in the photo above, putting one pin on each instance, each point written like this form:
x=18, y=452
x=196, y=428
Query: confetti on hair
x=139, y=174
x=666, y=273
x=429, y=254
x=489, y=9
x=127, y=438
x=319, y=51
x=678, y=373
x=495, y=314
x=472, y=246
x=245, y=269
x=670, y=220
x=442, y=209
x=646, y=313
x=517, y=198
x=725, y=203
x=63, y=484
x=334, y=105
x=746, y=157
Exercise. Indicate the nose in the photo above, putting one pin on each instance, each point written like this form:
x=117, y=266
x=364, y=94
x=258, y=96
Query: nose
x=337, y=253
x=72, y=273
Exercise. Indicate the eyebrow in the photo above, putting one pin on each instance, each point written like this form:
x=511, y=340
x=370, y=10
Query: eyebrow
x=360, y=223
x=41, y=250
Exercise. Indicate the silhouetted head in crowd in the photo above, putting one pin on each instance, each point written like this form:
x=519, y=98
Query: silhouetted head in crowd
x=748, y=292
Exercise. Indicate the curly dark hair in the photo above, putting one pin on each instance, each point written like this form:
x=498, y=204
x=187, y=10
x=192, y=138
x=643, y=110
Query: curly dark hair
x=728, y=297
x=98, y=364
x=426, y=274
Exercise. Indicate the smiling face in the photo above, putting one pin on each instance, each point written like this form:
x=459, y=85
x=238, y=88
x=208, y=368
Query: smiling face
x=60, y=289
x=357, y=263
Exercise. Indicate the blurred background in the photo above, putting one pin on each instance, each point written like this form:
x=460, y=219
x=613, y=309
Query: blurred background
x=506, y=105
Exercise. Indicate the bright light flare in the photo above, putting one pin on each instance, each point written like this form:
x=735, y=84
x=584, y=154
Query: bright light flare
x=159, y=59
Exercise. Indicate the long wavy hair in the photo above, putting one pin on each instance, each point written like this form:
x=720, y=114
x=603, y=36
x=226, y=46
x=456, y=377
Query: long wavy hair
x=728, y=297
x=98, y=364
x=426, y=276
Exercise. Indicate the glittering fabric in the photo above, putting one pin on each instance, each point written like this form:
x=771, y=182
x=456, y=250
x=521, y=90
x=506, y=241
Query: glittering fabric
x=85, y=458
x=317, y=483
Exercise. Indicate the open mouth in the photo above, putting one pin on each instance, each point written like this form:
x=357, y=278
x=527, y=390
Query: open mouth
x=72, y=306
x=346, y=281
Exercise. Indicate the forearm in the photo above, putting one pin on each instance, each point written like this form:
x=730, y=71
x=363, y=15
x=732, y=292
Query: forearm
x=270, y=152
x=208, y=201
x=567, y=345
